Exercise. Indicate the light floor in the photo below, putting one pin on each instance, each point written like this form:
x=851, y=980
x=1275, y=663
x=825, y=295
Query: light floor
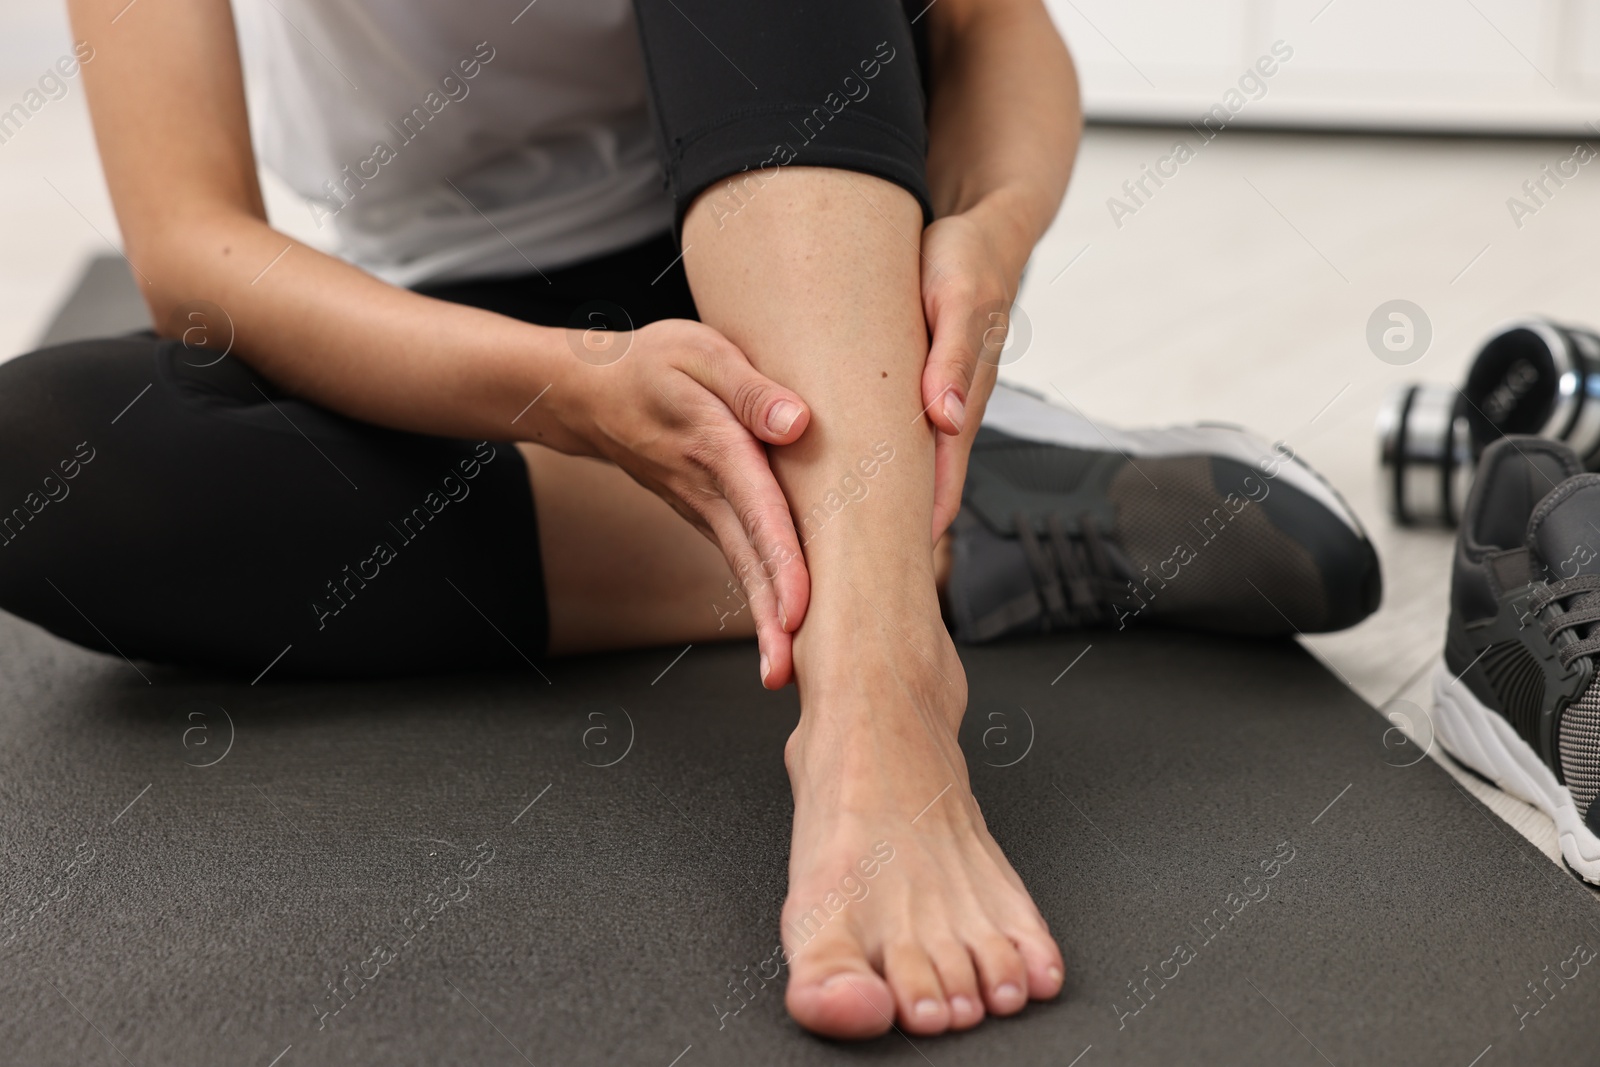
x=1239, y=291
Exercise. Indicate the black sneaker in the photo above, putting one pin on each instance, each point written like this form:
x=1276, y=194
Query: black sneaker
x=1514, y=697
x=1066, y=524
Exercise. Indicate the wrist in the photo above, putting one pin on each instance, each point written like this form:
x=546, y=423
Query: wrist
x=551, y=398
x=1002, y=215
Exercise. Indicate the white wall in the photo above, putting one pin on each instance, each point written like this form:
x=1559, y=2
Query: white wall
x=54, y=209
x=1469, y=65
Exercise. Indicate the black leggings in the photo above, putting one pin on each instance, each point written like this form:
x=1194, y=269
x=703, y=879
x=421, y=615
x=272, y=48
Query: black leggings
x=160, y=503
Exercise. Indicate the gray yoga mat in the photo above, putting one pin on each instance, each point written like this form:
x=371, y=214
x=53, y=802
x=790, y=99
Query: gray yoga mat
x=503, y=869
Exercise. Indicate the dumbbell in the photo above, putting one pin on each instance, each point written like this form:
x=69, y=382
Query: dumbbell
x=1425, y=452
x=1532, y=376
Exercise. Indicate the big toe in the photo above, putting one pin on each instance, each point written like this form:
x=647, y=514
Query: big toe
x=837, y=993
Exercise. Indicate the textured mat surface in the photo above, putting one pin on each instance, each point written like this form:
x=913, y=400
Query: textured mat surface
x=574, y=872
x=497, y=870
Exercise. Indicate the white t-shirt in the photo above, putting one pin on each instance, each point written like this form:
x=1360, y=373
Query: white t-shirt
x=450, y=139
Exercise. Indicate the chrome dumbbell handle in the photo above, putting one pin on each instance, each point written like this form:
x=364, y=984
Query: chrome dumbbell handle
x=1425, y=452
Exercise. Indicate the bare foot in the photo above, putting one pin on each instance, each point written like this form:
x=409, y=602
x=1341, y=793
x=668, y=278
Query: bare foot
x=901, y=907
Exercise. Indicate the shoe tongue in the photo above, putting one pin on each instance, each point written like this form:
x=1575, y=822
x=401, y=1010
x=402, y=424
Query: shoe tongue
x=1564, y=530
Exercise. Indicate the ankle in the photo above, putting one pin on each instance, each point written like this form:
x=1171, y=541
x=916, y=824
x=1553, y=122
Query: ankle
x=846, y=600
x=842, y=658
x=901, y=688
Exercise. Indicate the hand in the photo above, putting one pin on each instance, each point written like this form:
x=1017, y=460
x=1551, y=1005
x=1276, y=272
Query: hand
x=967, y=289
x=685, y=414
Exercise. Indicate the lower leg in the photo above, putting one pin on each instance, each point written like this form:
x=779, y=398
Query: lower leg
x=621, y=568
x=817, y=280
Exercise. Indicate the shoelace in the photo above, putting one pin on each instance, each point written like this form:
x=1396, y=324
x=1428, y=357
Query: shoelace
x=1584, y=611
x=1074, y=576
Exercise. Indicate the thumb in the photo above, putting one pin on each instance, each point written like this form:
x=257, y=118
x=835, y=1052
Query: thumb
x=952, y=364
x=771, y=412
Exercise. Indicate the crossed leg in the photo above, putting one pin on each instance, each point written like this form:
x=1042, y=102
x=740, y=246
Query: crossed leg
x=816, y=279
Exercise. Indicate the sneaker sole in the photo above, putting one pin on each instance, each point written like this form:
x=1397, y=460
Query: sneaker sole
x=1484, y=741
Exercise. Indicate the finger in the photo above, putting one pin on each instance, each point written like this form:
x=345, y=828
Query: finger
x=703, y=501
x=774, y=570
x=742, y=476
x=950, y=455
x=959, y=332
x=773, y=413
x=746, y=481
x=776, y=665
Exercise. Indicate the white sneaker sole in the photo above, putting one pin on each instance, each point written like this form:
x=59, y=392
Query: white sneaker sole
x=1482, y=739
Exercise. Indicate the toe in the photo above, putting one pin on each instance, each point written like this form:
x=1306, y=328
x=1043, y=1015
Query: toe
x=917, y=992
x=959, y=981
x=1001, y=972
x=1042, y=958
x=834, y=991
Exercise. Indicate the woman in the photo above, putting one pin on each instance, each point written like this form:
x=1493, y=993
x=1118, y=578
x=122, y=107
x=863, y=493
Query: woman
x=302, y=473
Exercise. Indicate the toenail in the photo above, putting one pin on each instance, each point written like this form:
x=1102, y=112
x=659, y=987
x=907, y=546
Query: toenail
x=766, y=668
x=838, y=979
x=962, y=1006
x=1054, y=973
x=926, y=1006
x=1008, y=993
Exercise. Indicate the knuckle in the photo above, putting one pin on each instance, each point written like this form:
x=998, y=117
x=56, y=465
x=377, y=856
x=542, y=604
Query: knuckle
x=709, y=352
x=742, y=558
x=698, y=454
x=754, y=516
x=694, y=500
x=749, y=396
x=739, y=449
x=957, y=366
x=963, y=358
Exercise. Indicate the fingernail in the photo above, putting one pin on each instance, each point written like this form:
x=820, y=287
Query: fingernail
x=955, y=410
x=782, y=416
x=1055, y=973
x=1008, y=993
x=765, y=668
x=926, y=1006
